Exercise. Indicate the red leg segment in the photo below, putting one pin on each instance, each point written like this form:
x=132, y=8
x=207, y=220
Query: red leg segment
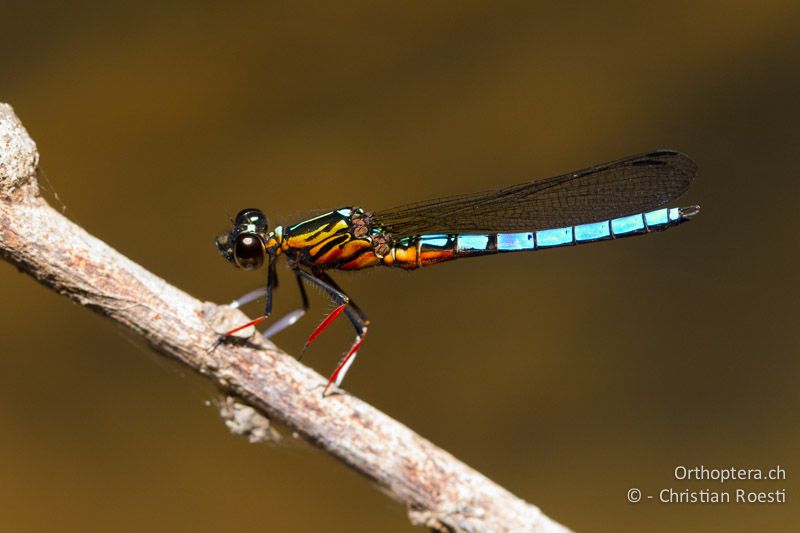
x=255, y=322
x=324, y=324
x=344, y=365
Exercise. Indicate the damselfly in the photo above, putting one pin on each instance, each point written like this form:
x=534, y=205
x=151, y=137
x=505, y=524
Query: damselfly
x=609, y=201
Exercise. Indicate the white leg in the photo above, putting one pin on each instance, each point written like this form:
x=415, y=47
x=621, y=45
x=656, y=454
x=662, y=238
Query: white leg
x=249, y=297
x=347, y=364
x=344, y=365
x=283, y=323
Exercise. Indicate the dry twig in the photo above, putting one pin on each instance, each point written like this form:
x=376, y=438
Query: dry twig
x=439, y=491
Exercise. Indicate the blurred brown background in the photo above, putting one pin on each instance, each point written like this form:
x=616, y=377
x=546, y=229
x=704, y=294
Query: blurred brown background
x=568, y=376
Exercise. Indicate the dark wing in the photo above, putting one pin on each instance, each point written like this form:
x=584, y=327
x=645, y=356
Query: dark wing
x=634, y=184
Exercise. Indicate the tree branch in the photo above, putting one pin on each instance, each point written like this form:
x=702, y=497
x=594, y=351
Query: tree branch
x=439, y=491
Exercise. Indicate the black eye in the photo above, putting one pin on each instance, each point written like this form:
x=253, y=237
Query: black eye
x=248, y=251
x=252, y=216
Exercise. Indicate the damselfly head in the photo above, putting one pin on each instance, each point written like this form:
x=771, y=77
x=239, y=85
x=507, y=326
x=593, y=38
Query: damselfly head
x=244, y=245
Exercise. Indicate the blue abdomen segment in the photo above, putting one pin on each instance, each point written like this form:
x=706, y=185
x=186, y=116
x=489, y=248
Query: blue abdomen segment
x=626, y=226
x=424, y=250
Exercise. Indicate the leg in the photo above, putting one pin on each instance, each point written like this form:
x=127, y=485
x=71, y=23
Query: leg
x=321, y=274
x=272, y=281
x=253, y=295
x=340, y=298
x=347, y=361
x=359, y=321
x=292, y=317
x=286, y=320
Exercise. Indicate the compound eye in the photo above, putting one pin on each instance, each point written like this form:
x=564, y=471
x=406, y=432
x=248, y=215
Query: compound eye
x=251, y=216
x=248, y=251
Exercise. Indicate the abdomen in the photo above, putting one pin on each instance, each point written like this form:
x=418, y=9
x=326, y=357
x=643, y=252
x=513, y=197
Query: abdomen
x=424, y=250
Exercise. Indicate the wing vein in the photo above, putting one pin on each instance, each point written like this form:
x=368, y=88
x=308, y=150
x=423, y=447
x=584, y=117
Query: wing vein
x=623, y=187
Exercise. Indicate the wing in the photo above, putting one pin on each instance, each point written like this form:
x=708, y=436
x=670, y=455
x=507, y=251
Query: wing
x=634, y=184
